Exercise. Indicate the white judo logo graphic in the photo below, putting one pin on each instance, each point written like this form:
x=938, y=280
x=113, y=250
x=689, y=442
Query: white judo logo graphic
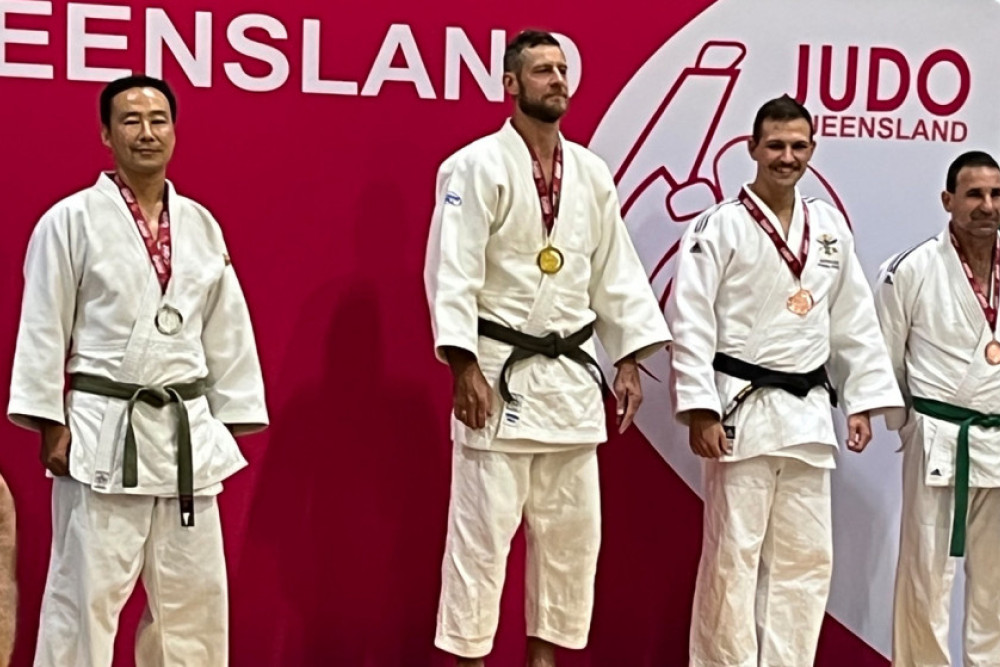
x=671, y=153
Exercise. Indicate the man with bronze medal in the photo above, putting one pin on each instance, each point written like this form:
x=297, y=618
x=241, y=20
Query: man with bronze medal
x=129, y=292
x=527, y=259
x=938, y=306
x=773, y=323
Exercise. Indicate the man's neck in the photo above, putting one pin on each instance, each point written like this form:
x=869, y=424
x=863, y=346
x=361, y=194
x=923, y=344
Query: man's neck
x=147, y=188
x=780, y=201
x=540, y=136
x=977, y=250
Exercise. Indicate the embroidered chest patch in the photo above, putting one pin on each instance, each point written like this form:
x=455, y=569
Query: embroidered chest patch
x=829, y=244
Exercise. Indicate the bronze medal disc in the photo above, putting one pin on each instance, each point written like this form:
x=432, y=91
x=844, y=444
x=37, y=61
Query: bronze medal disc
x=801, y=302
x=993, y=353
x=550, y=260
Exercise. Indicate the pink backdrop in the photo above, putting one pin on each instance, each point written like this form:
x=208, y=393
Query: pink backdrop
x=336, y=530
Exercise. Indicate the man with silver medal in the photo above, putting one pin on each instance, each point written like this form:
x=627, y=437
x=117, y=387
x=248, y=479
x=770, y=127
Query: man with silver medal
x=527, y=259
x=773, y=322
x=130, y=293
x=937, y=303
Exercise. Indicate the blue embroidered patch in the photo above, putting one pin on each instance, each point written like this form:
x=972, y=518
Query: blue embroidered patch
x=453, y=199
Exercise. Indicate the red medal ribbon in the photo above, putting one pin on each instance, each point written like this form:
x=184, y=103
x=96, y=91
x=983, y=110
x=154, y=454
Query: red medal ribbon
x=989, y=309
x=549, y=198
x=796, y=264
x=158, y=248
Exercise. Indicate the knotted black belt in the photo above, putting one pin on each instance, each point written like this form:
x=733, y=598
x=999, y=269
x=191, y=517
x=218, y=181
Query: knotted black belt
x=550, y=345
x=798, y=384
x=159, y=396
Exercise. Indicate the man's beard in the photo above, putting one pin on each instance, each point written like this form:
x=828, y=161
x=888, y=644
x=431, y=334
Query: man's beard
x=538, y=110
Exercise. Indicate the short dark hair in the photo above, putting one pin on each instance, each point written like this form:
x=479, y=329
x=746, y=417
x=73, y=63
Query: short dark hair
x=781, y=108
x=968, y=159
x=134, y=81
x=525, y=39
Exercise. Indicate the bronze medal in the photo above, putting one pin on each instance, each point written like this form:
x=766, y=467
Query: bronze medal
x=993, y=353
x=989, y=304
x=801, y=303
x=550, y=260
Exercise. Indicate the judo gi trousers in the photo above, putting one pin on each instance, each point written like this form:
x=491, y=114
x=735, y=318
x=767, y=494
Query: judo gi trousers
x=558, y=496
x=925, y=571
x=766, y=562
x=101, y=545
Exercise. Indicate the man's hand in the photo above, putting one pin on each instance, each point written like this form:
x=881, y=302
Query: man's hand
x=55, y=448
x=859, y=431
x=471, y=395
x=628, y=392
x=706, y=435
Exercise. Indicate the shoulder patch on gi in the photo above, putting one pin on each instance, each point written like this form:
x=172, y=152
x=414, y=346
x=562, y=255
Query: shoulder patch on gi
x=829, y=244
x=453, y=198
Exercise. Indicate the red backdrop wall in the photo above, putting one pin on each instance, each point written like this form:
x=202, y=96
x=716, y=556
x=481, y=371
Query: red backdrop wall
x=336, y=530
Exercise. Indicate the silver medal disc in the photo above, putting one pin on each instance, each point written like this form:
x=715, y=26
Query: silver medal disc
x=168, y=320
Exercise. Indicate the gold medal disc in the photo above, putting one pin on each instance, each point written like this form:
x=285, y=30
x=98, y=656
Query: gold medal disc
x=993, y=353
x=550, y=260
x=801, y=303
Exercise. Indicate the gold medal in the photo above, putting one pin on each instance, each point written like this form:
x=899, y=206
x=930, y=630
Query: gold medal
x=993, y=353
x=550, y=260
x=801, y=303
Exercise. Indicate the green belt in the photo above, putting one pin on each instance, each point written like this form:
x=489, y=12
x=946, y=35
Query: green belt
x=159, y=397
x=964, y=418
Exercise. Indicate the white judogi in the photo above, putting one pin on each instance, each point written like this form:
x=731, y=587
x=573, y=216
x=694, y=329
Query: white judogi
x=90, y=302
x=538, y=454
x=766, y=560
x=936, y=334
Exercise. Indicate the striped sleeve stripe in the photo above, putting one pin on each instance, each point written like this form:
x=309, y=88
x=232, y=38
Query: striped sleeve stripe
x=898, y=259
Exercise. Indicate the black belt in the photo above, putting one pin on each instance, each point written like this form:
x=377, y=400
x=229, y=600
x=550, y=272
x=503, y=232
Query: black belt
x=158, y=397
x=551, y=345
x=797, y=384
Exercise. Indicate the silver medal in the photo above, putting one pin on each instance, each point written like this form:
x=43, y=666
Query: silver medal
x=168, y=320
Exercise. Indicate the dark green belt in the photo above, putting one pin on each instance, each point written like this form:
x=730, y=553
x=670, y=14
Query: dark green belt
x=159, y=397
x=965, y=418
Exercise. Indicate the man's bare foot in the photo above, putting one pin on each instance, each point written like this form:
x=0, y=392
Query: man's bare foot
x=8, y=574
x=541, y=653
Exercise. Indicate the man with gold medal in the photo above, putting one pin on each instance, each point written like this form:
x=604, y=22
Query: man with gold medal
x=528, y=258
x=938, y=306
x=773, y=322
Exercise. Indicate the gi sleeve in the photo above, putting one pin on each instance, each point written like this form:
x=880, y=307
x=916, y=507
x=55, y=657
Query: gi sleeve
x=859, y=365
x=628, y=316
x=455, y=263
x=894, y=297
x=691, y=315
x=51, y=279
x=236, y=394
